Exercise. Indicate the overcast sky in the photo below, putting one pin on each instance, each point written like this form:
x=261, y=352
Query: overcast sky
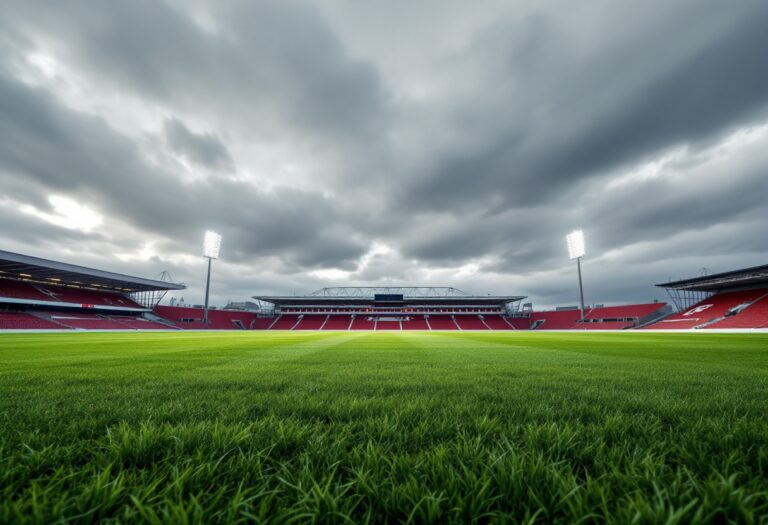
x=345, y=142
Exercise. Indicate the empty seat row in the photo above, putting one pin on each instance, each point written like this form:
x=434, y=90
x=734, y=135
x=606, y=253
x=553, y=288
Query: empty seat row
x=395, y=322
x=63, y=294
x=47, y=320
x=192, y=318
x=600, y=318
x=24, y=321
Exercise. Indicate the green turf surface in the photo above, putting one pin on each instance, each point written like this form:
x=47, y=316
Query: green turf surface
x=355, y=427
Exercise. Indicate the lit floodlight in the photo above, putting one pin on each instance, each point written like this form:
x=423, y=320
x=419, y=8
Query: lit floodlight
x=211, y=245
x=575, y=241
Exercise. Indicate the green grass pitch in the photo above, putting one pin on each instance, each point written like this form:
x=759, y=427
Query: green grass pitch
x=384, y=427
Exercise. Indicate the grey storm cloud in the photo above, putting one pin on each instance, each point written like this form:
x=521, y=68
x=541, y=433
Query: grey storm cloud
x=202, y=148
x=331, y=145
x=67, y=152
x=264, y=63
x=601, y=115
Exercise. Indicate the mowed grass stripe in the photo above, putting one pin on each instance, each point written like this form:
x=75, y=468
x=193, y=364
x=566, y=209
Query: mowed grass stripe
x=371, y=427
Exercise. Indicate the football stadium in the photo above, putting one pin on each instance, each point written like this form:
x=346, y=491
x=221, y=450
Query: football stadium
x=378, y=404
x=337, y=262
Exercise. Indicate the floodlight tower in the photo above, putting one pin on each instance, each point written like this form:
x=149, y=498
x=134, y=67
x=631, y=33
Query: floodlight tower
x=211, y=248
x=575, y=241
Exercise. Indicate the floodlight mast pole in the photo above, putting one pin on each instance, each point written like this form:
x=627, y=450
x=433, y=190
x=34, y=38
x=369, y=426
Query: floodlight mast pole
x=207, y=290
x=581, y=288
x=575, y=241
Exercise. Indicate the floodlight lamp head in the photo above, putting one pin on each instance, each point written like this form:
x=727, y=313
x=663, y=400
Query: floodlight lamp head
x=575, y=241
x=211, y=245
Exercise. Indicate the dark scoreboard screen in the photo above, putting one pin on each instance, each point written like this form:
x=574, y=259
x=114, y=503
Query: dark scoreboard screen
x=387, y=297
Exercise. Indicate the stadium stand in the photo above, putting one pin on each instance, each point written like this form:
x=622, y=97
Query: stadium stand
x=394, y=308
x=715, y=310
x=388, y=308
x=736, y=299
x=753, y=316
x=39, y=293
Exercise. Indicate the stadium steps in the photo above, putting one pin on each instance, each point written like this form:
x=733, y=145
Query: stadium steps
x=426, y=320
x=325, y=322
x=710, y=322
x=45, y=291
x=482, y=320
x=160, y=320
x=118, y=321
x=136, y=323
x=275, y=321
x=654, y=317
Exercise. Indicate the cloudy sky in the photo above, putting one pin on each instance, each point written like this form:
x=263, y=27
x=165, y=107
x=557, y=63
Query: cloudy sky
x=346, y=142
